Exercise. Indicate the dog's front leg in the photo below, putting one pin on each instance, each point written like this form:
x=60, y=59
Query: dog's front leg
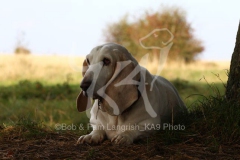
x=126, y=137
x=95, y=137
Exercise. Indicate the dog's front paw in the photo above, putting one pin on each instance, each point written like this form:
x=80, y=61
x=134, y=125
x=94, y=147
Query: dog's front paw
x=92, y=138
x=122, y=139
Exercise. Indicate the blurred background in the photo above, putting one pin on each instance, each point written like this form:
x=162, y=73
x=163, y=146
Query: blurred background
x=52, y=27
x=43, y=44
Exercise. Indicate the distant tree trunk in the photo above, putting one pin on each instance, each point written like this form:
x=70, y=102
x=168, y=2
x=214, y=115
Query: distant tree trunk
x=233, y=83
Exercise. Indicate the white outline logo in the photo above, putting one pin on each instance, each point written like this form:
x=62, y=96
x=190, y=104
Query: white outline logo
x=163, y=53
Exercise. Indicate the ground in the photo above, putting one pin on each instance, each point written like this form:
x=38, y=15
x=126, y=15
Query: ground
x=53, y=145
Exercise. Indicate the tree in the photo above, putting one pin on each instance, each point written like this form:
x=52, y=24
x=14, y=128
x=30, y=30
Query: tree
x=21, y=50
x=21, y=46
x=185, y=46
x=233, y=83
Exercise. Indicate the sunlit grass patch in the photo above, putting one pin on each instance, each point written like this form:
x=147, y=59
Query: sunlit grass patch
x=59, y=69
x=47, y=69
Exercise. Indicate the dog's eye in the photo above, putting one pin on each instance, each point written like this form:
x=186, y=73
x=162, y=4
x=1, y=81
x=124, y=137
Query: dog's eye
x=106, y=61
x=88, y=61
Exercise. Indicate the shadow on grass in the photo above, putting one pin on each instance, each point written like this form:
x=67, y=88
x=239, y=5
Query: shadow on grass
x=56, y=104
x=29, y=90
x=49, y=104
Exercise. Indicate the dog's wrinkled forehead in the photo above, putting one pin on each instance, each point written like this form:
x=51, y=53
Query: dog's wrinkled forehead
x=110, y=50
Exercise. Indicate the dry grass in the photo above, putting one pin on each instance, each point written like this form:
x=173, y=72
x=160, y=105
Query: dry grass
x=57, y=69
x=49, y=69
x=212, y=71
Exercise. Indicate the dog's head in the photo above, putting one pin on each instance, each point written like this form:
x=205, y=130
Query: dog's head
x=110, y=74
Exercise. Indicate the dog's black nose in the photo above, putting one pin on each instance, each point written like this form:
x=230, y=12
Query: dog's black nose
x=85, y=85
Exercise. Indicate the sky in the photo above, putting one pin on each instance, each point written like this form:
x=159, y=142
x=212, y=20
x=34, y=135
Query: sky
x=76, y=26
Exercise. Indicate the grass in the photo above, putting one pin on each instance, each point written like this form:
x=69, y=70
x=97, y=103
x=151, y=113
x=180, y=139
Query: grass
x=50, y=104
x=25, y=128
x=56, y=103
x=47, y=69
x=37, y=93
x=45, y=87
x=219, y=119
x=58, y=69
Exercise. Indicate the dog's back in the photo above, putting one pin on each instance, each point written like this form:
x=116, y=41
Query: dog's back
x=174, y=101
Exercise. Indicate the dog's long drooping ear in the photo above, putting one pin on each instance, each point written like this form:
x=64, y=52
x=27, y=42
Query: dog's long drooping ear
x=83, y=102
x=122, y=88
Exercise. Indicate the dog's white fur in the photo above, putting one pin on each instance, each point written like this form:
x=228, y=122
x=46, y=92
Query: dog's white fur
x=134, y=114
